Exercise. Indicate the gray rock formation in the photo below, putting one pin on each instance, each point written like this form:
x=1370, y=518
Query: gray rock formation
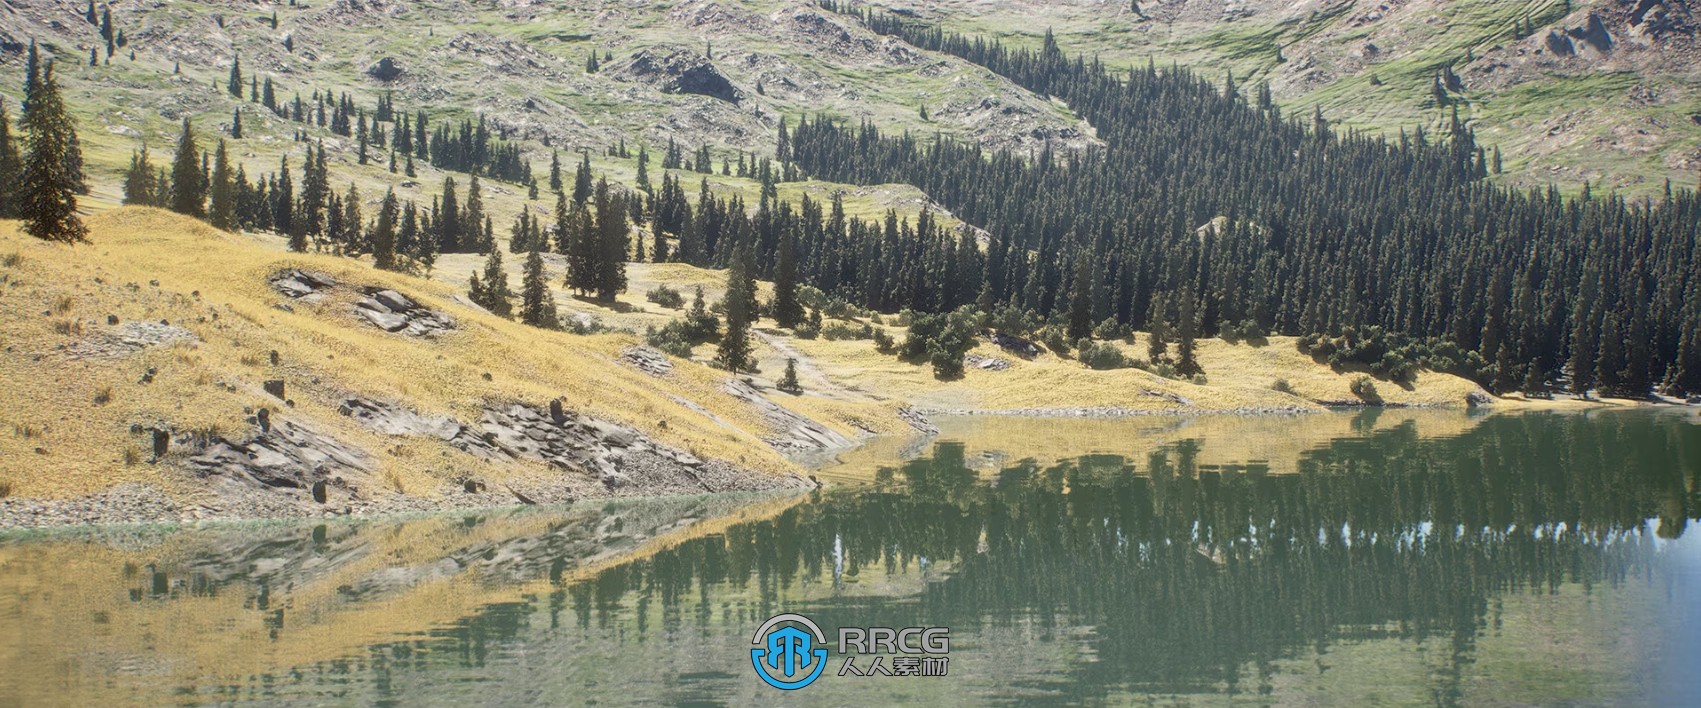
x=679, y=70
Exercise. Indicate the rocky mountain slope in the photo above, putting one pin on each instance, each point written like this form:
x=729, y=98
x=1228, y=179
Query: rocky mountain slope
x=1571, y=90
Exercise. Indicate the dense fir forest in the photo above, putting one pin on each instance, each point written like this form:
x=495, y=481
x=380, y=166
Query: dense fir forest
x=1326, y=232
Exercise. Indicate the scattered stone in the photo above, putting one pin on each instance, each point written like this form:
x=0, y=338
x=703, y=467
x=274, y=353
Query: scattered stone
x=263, y=418
x=275, y=387
x=274, y=357
x=148, y=376
x=319, y=491
x=128, y=338
x=397, y=302
x=162, y=443
x=647, y=359
x=986, y=363
x=1478, y=398
x=112, y=319
x=918, y=420
x=473, y=486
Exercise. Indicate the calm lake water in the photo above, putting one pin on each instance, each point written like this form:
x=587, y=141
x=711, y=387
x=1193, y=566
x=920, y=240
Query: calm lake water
x=1347, y=559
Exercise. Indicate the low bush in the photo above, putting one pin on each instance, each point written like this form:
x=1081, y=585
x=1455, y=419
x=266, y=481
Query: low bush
x=1102, y=355
x=666, y=297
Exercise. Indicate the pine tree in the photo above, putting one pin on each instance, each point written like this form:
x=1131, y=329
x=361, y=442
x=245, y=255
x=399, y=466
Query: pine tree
x=188, y=191
x=234, y=86
x=222, y=213
x=1185, y=363
x=582, y=181
x=537, y=304
x=11, y=168
x=789, y=382
x=1081, y=302
x=49, y=191
x=496, y=297
x=384, y=241
x=787, y=311
x=734, y=353
x=236, y=124
x=138, y=180
x=555, y=171
x=609, y=262
x=473, y=216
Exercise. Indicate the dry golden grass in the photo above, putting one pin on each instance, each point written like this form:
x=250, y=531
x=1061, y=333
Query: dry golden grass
x=214, y=284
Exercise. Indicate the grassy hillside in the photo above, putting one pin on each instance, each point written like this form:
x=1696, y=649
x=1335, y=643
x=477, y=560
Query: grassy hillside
x=1623, y=113
x=73, y=400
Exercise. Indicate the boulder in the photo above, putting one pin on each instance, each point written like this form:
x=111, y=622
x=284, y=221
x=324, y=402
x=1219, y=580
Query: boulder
x=680, y=70
x=275, y=387
x=389, y=322
x=397, y=302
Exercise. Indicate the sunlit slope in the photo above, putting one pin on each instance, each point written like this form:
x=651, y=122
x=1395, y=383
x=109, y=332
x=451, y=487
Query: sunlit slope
x=73, y=403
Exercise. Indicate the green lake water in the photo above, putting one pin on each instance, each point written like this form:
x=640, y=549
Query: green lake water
x=1375, y=558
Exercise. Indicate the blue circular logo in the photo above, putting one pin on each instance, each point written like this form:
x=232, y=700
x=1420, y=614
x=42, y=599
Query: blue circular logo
x=785, y=656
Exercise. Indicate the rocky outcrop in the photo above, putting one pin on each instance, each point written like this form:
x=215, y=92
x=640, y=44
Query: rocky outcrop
x=302, y=285
x=680, y=71
x=394, y=312
x=793, y=433
x=285, y=454
x=385, y=70
x=128, y=338
x=648, y=360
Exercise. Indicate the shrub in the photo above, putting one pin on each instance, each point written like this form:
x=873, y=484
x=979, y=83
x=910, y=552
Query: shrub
x=840, y=331
x=1245, y=330
x=1394, y=356
x=1111, y=330
x=585, y=324
x=1011, y=320
x=941, y=339
x=1055, y=339
x=883, y=342
x=806, y=330
x=1365, y=388
x=1101, y=356
x=666, y=297
x=700, y=324
x=674, y=338
x=1199, y=380
x=1282, y=385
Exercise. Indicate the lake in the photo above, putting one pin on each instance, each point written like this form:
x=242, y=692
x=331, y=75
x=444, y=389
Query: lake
x=1372, y=557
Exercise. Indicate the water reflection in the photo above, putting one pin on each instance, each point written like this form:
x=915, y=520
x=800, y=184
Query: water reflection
x=1437, y=562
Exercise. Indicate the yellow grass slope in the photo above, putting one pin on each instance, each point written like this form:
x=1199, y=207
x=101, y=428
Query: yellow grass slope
x=67, y=420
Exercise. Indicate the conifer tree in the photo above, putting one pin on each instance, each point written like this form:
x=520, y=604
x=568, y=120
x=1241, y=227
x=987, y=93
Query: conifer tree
x=448, y=220
x=222, y=213
x=609, y=260
x=49, y=190
x=11, y=168
x=236, y=124
x=188, y=191
x=138, y=180
x=492, y=291
x=537, y=304
x=283, y=208
x=1081, y=302
x=555, y=171
x=734, y=353
x=582, y=181
x=384, y=237
x=789, y=382
x=473, y=216
x=234, y=86
x=787, y=310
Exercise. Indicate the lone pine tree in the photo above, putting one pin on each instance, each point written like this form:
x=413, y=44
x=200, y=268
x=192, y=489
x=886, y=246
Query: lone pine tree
x=49, y=188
